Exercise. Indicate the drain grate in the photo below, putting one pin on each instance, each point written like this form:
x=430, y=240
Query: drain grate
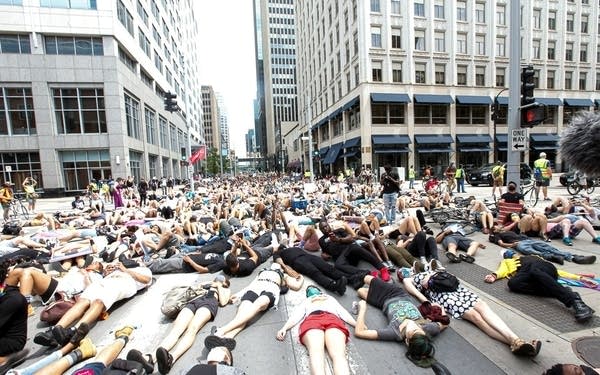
x=588, y=350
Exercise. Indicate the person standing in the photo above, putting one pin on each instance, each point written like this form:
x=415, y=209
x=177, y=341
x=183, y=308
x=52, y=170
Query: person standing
x=450, y=177
x=6, y=196
x=542, y=173
x=391, y=186
x=143, y=191
x=459, y=175
x=498, y=178
x=411, y=177
x=30, y=195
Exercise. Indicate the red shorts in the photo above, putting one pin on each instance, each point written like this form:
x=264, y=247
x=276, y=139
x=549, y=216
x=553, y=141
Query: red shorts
x=322, y=321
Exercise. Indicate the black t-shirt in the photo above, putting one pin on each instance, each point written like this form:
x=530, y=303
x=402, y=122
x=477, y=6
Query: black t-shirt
x=290, y=254
x=246, y=267
x=13, y=321
x=214, y=262
x=334, y=249
x=390, y=186
x=510, y=237
x=512, y=197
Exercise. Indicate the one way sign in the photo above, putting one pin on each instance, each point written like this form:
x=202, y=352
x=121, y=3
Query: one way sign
x=519, y=140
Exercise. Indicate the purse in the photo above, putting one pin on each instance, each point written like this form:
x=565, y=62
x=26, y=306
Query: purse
x=176, y=299
x=52, y=313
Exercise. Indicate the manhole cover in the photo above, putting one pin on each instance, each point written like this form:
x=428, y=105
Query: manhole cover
x=588, y=350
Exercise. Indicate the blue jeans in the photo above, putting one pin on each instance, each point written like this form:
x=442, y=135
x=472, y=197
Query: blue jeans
x=541, y=248
x=389, y=207
x=460, y=185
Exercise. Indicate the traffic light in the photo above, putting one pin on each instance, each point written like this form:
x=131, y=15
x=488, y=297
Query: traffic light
x=316, y=153
x=171, y=102
x=532, y=115
x=495, y=111
x=527, y=85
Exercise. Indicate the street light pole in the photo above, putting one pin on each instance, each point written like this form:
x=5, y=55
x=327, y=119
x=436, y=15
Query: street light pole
x=495, y=119
x=513, y=119
x=310, y=150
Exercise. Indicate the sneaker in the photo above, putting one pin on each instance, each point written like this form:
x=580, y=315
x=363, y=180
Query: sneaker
x=164, y=360
x=418, y=267
x=45, y=339
x=30, y=310
x=567, y=241
x=435, y=265
x=403, y=273
x=385, y=274
x=80, y=333
x=340, y=285
x=145, y=360
x=374, y=273
x=62, y=335
x=124, y=332
x=596, y=240
x=87, y=348
x=523, y=348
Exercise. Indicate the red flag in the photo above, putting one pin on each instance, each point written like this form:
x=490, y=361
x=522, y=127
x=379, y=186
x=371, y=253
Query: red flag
x=200, y=154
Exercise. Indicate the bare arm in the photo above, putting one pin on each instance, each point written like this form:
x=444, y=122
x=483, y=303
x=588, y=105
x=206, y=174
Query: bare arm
x=295, y=317
x=198, y=268
x=294, y=283
x=412, y=290
x=224, y=294
x=250, y=251
x=360, y=329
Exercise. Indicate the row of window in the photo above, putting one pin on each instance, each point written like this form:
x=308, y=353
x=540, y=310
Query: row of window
x=67, y=4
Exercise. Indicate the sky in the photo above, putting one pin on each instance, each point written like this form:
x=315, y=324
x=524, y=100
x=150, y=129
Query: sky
x=226, y=51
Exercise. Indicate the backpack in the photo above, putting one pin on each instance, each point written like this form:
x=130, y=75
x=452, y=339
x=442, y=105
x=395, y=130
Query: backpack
x=442, y=282
x=496, y=171
x=537, y=174
x=124, y=367
x=12, y=228
x=176, y=298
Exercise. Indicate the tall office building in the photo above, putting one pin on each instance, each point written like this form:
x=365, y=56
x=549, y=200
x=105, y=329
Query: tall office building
x=210, y=113
x=276, y=102
x=223, y=125
x=412, y=82
x=82, y=87
x=250, y=143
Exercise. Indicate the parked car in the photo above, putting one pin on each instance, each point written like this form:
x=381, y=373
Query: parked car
x=483, y=174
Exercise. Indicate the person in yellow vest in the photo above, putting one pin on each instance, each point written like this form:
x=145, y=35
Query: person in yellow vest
x=307, y=175
x=30, y=195
x=6, y=196
x=411, y=177
x=498, y=178
x=459, y=175
x=543, y=174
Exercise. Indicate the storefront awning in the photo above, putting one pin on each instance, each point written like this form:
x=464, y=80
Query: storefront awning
x=433, y=139
x=351, y=103
x=502, y=138
x=348, y=154
x=332, y=154
x=335, y=113
x=473, y=138
x=391, y=150
x=390, y=98
x=352, y=142
x=320, y=123
x=537, y=138
x=323, y=151
x=475, y=149
x=503, y=100
x=433, y=99
x=390, y=139
x=544, y=147
x=432, y=150
x=549, y=101
x=578, y=102
x=472, y=99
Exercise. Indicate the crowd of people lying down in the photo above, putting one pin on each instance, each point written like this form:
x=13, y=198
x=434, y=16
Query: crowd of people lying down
x=373, y=239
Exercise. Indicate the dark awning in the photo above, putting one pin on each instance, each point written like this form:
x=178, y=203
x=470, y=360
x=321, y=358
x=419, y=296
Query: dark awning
x=473, y=138
x=431, y=150
x=549, y=101
x=502, y=138
x=323, y=151
x=352, y=142
x=475, y=149
x=503, y=148
x=332, y=154
x=536, y=138
x=390, y=139
x=433, y=139
x=503, y=100
x=335, y=113
x=320, y=123
x=351, y=103
x=597, y=103
x=391, y=150
x=539, y=147
x=433, y=99
x=468, y=99
x=349, y=154
x=390, y=98
x=578, y=102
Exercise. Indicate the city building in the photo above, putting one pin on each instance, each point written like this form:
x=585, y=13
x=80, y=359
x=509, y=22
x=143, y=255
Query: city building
x=210, y=118
x=276, y=102
x=412, y=82
x=82, y=87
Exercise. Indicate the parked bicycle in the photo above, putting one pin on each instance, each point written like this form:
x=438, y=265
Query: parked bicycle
x=18, y=206
x=530, y=192
x=574, y=185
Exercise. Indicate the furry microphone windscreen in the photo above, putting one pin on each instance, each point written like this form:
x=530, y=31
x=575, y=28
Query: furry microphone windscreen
x=580, y=143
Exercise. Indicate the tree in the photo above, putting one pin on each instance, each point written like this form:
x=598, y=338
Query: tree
x=213, y=165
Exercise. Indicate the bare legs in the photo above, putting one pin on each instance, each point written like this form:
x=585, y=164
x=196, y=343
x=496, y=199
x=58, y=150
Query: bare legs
x=334, y=340
x=491, y=324
x=246, y=311
x=189, y=323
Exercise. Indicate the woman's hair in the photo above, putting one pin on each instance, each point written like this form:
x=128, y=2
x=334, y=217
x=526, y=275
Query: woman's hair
x=420, y=350
x=557, y=369
x=3, y=271
x=509, y=215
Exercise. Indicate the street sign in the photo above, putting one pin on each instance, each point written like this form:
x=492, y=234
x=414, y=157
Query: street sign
x=8, y=168
x=519, y=140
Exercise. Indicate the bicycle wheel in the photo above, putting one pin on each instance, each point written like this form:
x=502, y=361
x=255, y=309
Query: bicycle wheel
x=573, y=187
x=23, y=211
x=531, y=196
x=590, y=189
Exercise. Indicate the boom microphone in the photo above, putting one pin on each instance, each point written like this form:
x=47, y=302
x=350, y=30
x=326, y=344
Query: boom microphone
x=580, y=143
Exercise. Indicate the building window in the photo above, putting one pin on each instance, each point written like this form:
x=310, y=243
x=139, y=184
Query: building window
x=536, y=78
x=153, y=165
x=440, y=74
x=15, y=43
x=582, y=81
x=144, y=43
x=536, y=48
x=396, y=38
x=158, y=62
x=355, y=41
x=375, y=7
x=583, y=52
x=163, y=129
x=420, y=40
x=387, y=113
x=480, y=44
x=150, y=123
x=17, y=115
x=125, y=17
x=471, y=115
x=461, y=43
x=501, y=46
x=550, y=79
x=395, y=6
x=132, y=117
x=439, y=11
x=461, y=75
x=146, y=78
x=127, y=60
x=568, y=80
x=155, y=11
x=11, y=2
x=537, y=18
x=173, y=136
x=584, y=23
x=69, y=4
x=569, y=51
x=397, y=72
x=461, y=10
x=480, y=12
x=79, y=110
x=377, y=71
x=480, y=76
x=500, y=77
x=570, y=21
x=597, y=81
x=440, y=41
x=68, y=45
x=376, y=36
x=419, y=8
x=551, y=20
x=142, y=12
x=551, y=49
x=420, y=76
x=81, y=166
x=501, y=15
x=426, y=114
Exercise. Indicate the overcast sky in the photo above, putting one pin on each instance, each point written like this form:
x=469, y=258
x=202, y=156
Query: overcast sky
x=226, y=49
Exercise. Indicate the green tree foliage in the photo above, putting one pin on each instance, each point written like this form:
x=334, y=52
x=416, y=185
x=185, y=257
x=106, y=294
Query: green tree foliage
x=213, y=165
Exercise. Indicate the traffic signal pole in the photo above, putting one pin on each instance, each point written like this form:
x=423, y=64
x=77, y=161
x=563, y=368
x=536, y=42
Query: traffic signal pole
x=514, y=93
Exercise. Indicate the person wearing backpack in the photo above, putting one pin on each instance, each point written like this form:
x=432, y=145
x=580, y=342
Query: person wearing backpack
x=442, y=288
x=459, y=175
x=498, y=178
x=542, y=174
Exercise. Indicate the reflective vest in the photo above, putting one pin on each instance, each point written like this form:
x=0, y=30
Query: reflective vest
x=459, y=173
x=411, y=173
x=542, y=164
